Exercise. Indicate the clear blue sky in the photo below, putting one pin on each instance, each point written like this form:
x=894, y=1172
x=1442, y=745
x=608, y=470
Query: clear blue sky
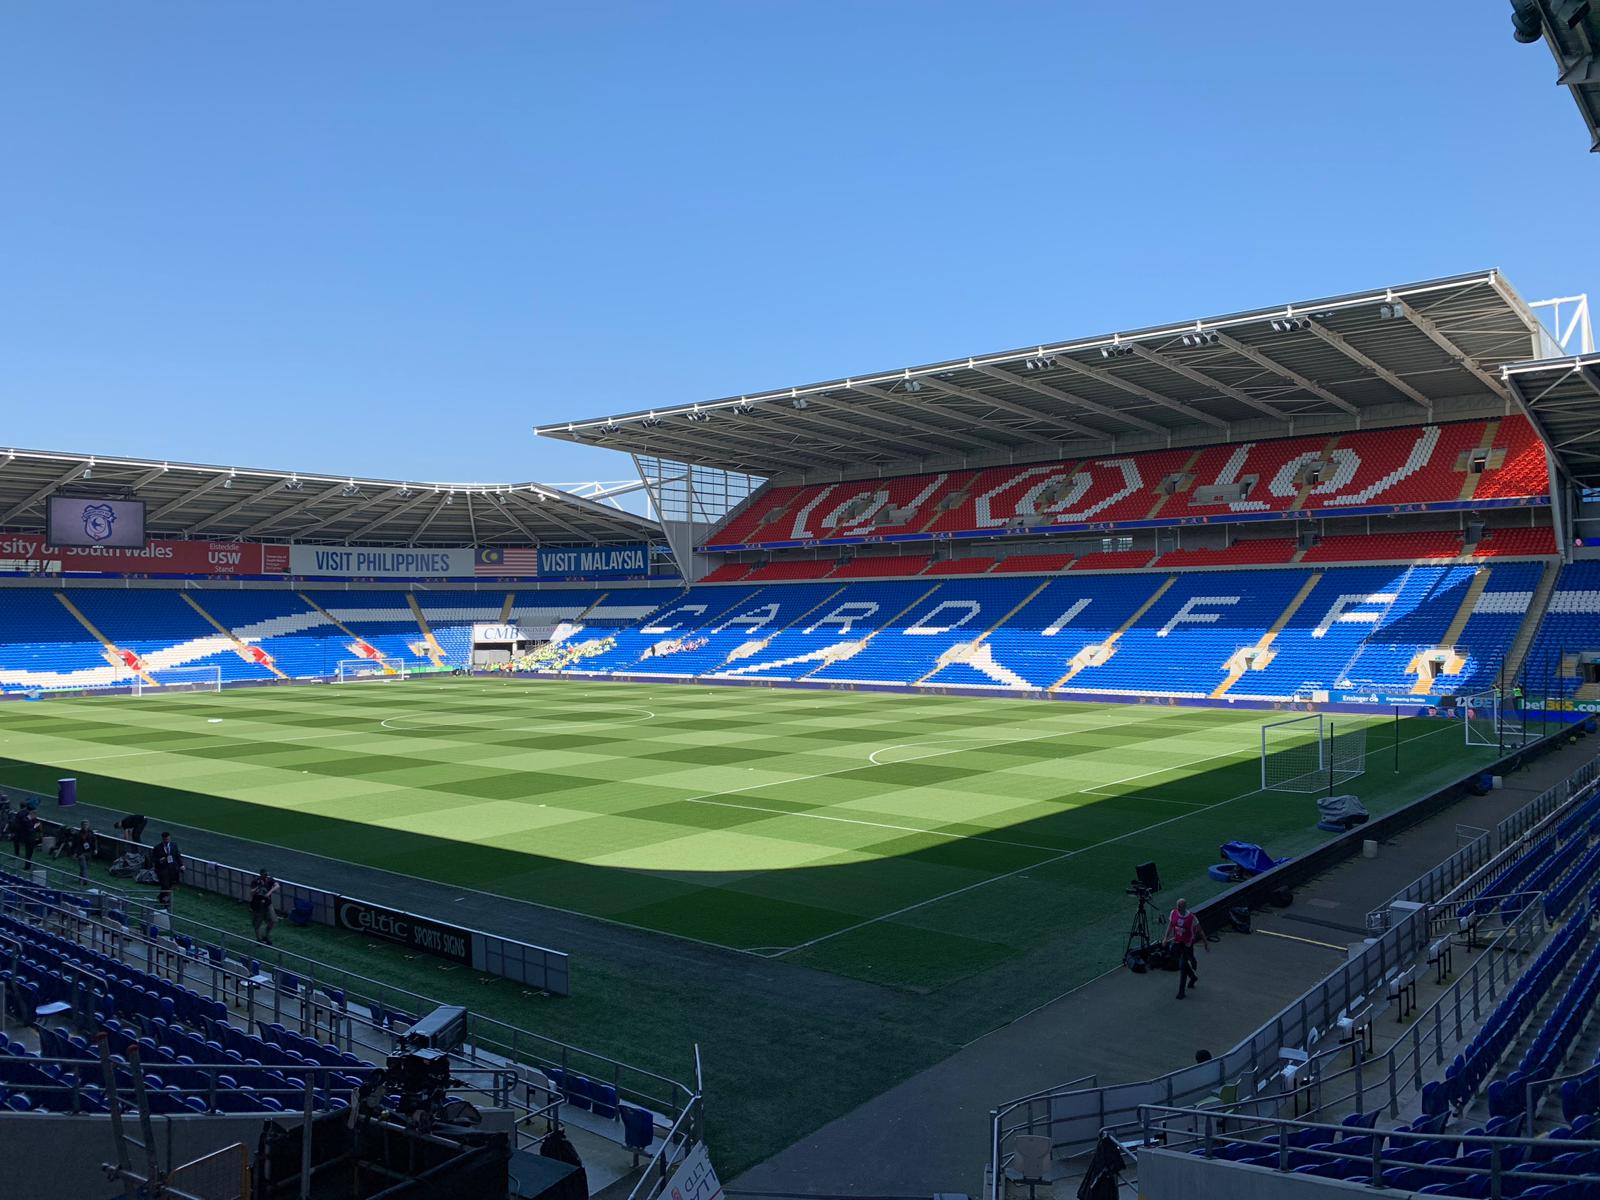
x=387, y=238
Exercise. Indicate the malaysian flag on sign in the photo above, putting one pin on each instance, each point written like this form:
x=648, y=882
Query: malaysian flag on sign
x=506, y=560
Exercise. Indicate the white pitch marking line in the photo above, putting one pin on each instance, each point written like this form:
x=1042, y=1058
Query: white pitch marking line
x=1062, y=857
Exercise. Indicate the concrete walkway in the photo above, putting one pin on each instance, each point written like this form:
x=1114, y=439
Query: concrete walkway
x=930, y=1133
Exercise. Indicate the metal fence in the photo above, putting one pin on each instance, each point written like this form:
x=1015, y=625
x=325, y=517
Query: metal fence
x=1078, y=1114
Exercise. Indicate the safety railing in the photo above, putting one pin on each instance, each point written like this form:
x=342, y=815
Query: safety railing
x=686, y=1132
x=1510, y=1163
x=1005, y=1125
x=349, y=1010
x=1079, y=1114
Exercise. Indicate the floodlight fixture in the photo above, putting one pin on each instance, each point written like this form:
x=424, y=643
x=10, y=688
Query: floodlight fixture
x=799, y=404
x=913, y=386
x=1289, y=324
x=1391, y=312
x=650, y=422
x=1116, y=350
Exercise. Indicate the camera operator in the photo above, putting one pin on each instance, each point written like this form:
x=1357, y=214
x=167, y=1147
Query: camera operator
x=1183, y=927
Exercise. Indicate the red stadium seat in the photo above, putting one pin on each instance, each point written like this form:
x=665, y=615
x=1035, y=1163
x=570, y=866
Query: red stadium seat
x=1260, y=550
x=1386, y=547
x=801, y=568
x=728, y=573
x=1519, y=542
x=1033, y=564
x=959, y=566
x=1114, y=560
x=883, y=566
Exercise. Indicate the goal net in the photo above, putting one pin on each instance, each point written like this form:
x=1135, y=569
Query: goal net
x=1491, y=720
x=357, y=670
x=206, y=678
x=1311, y=754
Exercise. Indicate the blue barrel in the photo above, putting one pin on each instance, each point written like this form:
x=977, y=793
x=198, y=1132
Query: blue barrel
x=66, y=792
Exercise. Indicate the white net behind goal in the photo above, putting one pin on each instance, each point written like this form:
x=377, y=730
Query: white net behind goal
x=358, y=670
x=1311, y=754
x=1492, y=720
x=167, y=680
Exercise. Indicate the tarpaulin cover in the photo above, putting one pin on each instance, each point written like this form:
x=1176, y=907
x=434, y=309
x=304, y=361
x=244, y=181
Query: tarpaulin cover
x=1249, y=857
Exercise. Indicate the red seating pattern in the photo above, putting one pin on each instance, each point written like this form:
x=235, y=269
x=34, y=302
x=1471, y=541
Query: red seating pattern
x=1258, y=550
x=1383, y=547
x=1412, y=465
x=1114, y=560
x=959, y=566
x=1500, y=543
x=1033, y=564
x=728, y=573
x=1524, y=471
x=801, y=568
x=882, y=566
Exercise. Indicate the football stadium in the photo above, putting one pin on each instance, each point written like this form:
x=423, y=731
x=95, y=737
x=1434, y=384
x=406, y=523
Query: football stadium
x=835, y=806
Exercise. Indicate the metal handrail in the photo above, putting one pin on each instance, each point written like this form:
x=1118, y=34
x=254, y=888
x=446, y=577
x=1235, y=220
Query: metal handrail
x=998, y=1136
x=230, y=978
x=1210, y=1137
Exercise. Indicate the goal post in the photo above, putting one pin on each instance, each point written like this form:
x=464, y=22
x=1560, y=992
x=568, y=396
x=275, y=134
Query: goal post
x=206, y=677
x=358, y=670
x=1489, y=720
x=1311, y=754
x=1292, y=755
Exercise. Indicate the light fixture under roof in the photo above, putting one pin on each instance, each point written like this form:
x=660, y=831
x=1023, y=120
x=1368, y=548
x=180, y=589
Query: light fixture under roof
x=1290, y=324
x=1200, y=337
x=1116, y=350
x=799, y=404
x=913, y=386
x=650, y=422
x=697, y=414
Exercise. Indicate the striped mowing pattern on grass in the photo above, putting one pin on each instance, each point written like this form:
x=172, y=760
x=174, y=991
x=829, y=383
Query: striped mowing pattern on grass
x=908, y=839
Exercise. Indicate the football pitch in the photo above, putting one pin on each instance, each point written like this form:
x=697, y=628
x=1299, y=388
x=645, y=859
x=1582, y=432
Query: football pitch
x=907, y=839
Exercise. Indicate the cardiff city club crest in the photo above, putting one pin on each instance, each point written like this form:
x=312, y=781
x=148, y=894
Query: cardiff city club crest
x=97, y=521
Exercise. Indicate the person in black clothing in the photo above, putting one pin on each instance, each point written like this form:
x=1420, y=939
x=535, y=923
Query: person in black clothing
x=263, y=915
x=80, y=843
x=32, y=833
x=167, y=861
x=133, y=825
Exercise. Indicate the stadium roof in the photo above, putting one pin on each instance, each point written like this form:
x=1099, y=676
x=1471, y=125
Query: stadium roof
x=1562, y=395
x=1571, y=28
x=1393, y=355
x=186, y=500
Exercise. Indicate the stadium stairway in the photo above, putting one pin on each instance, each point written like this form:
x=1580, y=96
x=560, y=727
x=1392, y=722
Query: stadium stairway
x=1093, y=655
x=1261, y=652
x=240, y=648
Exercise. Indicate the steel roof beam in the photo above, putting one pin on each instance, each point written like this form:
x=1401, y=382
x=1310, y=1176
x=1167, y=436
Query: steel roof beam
x=420, y=498
x=1167, y=363
x=676, y=441
x=1052, y=392
x=1020, y=410
x=1342, y=344
x=293, y=510
x=543, y=514
x=1127, y=385
x=874, y=392
x=1268, y=363
x=187, y=498
x=340, y=514
x=856, y=430
x=217, y=517
x=1459, y=356
x=35, y=497
x=516, y=521
x=432, y=513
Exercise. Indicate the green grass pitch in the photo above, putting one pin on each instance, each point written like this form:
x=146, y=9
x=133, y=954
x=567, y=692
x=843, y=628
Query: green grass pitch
x=910, y=840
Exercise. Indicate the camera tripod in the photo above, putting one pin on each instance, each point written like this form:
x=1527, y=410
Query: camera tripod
x=1139, y=935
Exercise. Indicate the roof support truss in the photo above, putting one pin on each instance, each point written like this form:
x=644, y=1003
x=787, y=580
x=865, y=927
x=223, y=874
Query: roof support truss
x=217, y=518
x=189, y=497
x=293, y=511
x=959, y=436
x=1021, y=410
x=1442, y=340
x=1051, y=392
x=1127, y=385
x=1168, y=363
x=34, y=497
x=1342, y=344
x=1268, y=363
